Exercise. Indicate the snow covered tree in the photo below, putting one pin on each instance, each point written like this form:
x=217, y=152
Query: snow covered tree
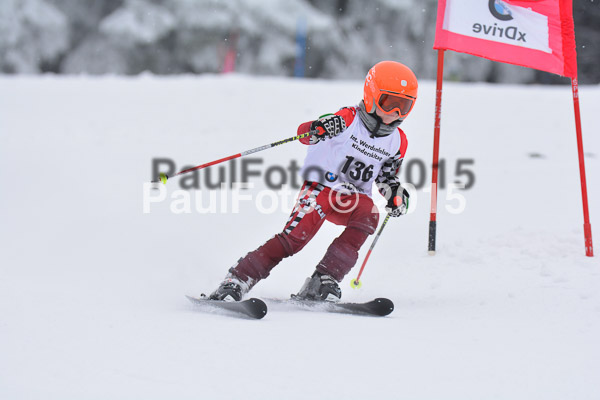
x=344, y=38
x=34, y=35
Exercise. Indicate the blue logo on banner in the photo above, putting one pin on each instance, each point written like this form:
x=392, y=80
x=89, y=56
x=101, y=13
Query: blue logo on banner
x=499, y=10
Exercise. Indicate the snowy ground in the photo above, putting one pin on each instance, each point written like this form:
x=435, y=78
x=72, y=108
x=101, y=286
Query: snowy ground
x=92, y=289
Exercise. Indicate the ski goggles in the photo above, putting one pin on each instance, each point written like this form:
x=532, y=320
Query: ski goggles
x=389, y=102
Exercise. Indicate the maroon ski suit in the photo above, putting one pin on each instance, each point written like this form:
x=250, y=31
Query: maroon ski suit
x=317, y=203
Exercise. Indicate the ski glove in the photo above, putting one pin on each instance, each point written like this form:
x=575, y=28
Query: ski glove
x=327, y=126
x=398, y=202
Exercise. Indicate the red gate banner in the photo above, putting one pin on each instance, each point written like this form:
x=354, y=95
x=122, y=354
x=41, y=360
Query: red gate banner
x=532, y=33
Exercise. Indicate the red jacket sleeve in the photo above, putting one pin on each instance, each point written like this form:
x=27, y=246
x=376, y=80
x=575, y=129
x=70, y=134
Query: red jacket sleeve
x=303, y=128
x=348, y=113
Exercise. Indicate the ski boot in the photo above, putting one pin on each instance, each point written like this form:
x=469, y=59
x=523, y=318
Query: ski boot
x=319, y=287
x=231, y=289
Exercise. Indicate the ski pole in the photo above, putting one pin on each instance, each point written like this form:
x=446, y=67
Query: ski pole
x=163, y=177
x=356, y=283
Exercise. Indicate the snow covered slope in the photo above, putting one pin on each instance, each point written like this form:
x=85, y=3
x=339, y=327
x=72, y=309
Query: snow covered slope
x=92, y=288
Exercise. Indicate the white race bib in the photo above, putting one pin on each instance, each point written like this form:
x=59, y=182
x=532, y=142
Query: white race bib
x=351, y=161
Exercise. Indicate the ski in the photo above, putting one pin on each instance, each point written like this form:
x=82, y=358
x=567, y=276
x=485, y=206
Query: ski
x=251, y=308
x=379, y=307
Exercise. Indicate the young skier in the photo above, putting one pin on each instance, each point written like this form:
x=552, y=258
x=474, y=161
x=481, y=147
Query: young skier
x=354, y=148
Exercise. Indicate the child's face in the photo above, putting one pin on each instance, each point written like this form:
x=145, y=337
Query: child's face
x=387, y=118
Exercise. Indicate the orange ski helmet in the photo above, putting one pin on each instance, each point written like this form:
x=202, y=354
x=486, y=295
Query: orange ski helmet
x=390, y=86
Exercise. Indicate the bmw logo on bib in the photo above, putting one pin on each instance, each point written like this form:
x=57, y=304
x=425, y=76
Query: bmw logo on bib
x=331, y=177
